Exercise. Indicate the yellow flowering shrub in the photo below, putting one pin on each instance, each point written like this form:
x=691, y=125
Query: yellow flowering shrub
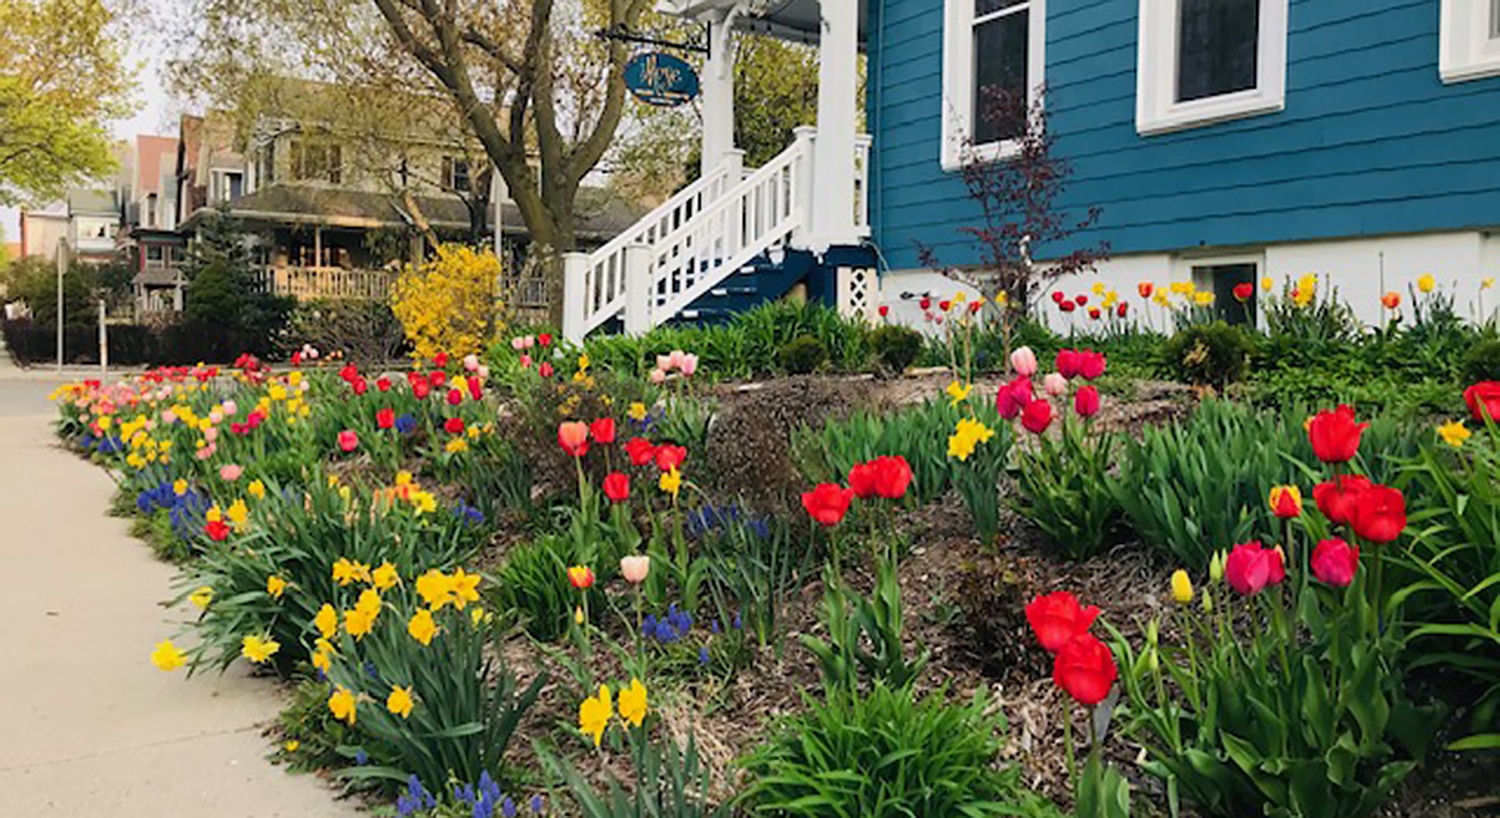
x=449, y=303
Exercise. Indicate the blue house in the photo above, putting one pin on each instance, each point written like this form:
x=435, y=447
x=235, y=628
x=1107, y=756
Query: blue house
x=1223, y=141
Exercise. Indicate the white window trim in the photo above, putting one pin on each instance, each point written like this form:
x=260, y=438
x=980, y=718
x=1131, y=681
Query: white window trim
x=1156, y=107
x=958, y=82
x=1466, y=48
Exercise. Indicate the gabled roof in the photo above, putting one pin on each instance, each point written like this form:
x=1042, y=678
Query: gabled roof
x=796, y=20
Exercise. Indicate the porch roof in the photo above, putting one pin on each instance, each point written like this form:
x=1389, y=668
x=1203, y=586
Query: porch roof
x=796, y=20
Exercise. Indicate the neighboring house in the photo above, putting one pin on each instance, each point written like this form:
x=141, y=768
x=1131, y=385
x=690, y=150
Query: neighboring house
x=149, y=242
x=1224, y=140
x=86, y=221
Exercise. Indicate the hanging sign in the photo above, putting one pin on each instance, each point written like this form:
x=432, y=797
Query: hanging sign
x=661, y=79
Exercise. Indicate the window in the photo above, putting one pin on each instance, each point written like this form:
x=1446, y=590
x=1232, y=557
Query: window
x=991, y=48
x=154, y=253
x=225, y=185
x=456, y=174
x=316, y=161
x=1220, y=275
x=1205, y=61
x=151, y=210
x=1469, y=43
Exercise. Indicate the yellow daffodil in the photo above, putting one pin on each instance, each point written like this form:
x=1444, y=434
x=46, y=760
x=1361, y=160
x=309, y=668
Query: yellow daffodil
x=333, y=480
x=275, y=586
x=341, y=704
x=202, y=597
x=594, y=714
x=637, y=411
x=465, y=588
x=1267, y=283
x=326, y=621
x=958, y=393
x=291, y=745
x=435, y=588
x=456, y=445
x=670, y=481
x=968, y=434
x=1182, y=587
x=400, y=702
x=360, y=621
x=423, y=502
x=1454, y=433
x=238, y=514
x=167, y=656
x=480, y=616
x=385, y=576
x=633, y=703
x=1487, y=283
x=321, y=661
x=258, y=649
x=1426, y=282
x=1203, y=299
x=346, y=571
x=421, y=627
x=403, y=478
x=214, y=514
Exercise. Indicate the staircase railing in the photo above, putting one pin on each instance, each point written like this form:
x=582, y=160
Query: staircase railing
x=700, y=237
x=599, y=276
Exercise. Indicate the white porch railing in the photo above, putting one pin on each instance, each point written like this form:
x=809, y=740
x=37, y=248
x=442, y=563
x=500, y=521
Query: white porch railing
x=689, y=245
x=306, y=283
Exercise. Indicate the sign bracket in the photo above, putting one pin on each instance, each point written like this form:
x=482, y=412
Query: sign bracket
x=624, y=34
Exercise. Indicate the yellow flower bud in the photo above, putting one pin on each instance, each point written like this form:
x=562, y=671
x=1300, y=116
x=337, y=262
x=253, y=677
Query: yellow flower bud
x=1182, y=587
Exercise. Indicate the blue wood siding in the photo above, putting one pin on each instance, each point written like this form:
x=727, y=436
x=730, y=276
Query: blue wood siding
x=1371, y=141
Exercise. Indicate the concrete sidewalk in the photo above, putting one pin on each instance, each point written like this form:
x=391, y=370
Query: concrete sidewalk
x=89, y=726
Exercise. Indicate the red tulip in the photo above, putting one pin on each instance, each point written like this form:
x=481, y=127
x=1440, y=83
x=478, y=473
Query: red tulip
x=1094, y=313
x=862, y=480
x=545, y=339
x=1057, y=617
x=573, y=437
x=1483, y=398
x=1123, y=308
x=892, y=476
x=359, y=386
x=217, y=530
x=1014, y=397
x=945, y=305
x=1081, y=299
x=1057, y=296
x=1334, y=562
x=348, y=440
x=420, y=389
x=1244, y=291
x=474, y=387
x=1145, y=288
x=1336, y=499
x=385, y=418
x=455, y=397
x=1091, y=364
x=1085, y=668
x=1251, y=567
x=348, y=373
x=1037, y=416
x=669, y=457
x=603, y=431
x=544, y=369
x=1378, y=514
x=438, y=378
x=1335, y=435
x=925, y=304
x=827, y=503
x=1067, y=306
x=884, y=310
x=383, y=383
x=640, y=450
x=1069, y=363
x=454, y=426
x=440, y=360
x=1086, y=402
x=617, y=487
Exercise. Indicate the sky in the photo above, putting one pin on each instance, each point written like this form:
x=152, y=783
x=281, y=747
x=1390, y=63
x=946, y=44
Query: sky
x=155, y=113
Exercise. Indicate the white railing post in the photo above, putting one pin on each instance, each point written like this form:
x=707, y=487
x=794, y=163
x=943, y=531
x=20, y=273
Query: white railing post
x=733, y=166
x=803, y=170
x=862, y=184
x=638, y=283
x=575, y=295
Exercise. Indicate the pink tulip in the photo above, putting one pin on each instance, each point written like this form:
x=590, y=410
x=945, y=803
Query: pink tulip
x=664, y=363
x=1055, y=384
x=635, y=569
x=215, y=417
x=230, y=472
x=528, y=342
x=471, y=362
x=483, y=372
x=206, y=452
x=689, y=365
x=676, y=359
x=211, y=434
x=1023, y=360
x=348, y=440
x=525, y=361
x=230, y=408
x=658, y=376
x=169, y=417
x=518, y=343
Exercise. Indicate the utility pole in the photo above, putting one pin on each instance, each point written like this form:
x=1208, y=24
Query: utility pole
x=62, y=269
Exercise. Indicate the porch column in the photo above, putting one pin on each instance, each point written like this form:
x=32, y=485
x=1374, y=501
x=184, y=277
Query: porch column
x=717, y=86
x=833, y=152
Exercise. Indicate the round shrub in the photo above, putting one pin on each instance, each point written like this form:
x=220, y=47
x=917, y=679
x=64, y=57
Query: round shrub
x=1482, y=361
x=802, y=355
x=1213, y=354
x=895, y=347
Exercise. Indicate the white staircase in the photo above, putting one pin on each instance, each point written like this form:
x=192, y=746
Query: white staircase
x=690, y=244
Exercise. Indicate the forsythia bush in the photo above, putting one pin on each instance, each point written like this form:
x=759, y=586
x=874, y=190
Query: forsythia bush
x=449, y=304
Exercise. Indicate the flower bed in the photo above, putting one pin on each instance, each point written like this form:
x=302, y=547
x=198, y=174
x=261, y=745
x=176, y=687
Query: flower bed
x=535, y=583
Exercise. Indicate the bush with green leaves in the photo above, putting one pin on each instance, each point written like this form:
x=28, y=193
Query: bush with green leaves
x=1063, y=487
x=1482, y=361
x=895, y=347
x=1214, y=354
x=802, y=355
x=885, y=753
x=530, y=587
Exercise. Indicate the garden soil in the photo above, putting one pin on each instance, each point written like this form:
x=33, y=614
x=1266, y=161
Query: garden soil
x=90, y=727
